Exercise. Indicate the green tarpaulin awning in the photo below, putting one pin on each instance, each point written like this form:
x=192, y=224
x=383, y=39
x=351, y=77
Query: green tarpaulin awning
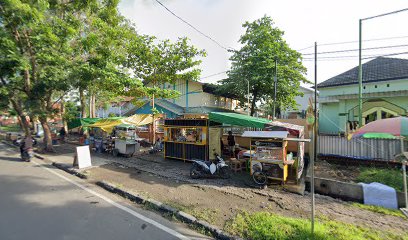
x=237, y=119
x=79, y=122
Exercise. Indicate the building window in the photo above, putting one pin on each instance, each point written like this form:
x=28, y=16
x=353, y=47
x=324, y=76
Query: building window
x=375, y=86
x=364, y=87
x=388, y=85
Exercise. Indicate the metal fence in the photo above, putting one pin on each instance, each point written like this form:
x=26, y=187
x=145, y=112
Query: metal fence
x=378, y=149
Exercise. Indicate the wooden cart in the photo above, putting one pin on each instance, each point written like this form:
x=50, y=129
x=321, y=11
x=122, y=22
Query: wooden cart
x=271, y=159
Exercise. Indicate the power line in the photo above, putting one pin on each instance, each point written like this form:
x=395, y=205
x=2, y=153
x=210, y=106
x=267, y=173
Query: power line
x=352, y=50
x=181, y=19
x=367, y=40
x=305, y=48
x=355, y=56
x=212, y=75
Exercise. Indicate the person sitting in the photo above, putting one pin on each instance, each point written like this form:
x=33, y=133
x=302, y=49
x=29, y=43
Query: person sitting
x=191, y=137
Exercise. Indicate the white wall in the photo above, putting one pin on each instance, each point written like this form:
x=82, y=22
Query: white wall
x=302, y=101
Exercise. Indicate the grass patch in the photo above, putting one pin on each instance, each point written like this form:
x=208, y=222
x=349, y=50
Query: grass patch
x=206, y=214
x=11, y=128
x=265, y=225
x=382, y=210
x=180, y=206
x=390, y=177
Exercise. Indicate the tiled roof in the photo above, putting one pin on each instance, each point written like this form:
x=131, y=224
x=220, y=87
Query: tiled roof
x=379, y=69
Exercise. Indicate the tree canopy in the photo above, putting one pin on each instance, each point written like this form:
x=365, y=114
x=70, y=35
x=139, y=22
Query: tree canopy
x=262, y=44
x=50, y=47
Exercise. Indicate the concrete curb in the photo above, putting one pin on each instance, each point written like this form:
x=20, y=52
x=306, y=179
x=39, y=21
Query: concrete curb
x=69, y=170
x=161, y=207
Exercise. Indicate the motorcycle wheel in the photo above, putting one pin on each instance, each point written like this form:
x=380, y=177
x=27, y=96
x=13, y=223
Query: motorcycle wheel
x=259, y=178
x=195, y=172
x=115, y=152
x=225, y=172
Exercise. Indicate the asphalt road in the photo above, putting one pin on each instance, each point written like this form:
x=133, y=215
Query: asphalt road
x=40, y=202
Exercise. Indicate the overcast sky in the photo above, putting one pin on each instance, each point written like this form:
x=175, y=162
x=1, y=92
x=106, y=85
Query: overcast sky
x=303, y=22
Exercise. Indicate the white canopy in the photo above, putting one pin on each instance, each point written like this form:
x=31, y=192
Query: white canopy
x=265, y=134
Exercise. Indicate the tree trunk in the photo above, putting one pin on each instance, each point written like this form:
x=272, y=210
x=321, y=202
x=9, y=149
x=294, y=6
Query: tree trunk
x=64, y=122
x=253, y=104
x=92, y=107
x=82, y=100
x=33, y=124
x=47, y=135
x=22, y=117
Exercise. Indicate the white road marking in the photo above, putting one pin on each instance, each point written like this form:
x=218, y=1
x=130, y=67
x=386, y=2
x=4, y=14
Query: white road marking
x=108, y=200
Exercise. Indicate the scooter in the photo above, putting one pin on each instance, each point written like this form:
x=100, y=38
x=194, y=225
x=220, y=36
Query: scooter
x=19, y=140
x=27, y=154
x=203, y=168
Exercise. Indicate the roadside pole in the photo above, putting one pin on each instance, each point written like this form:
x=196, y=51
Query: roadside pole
x=313, y=159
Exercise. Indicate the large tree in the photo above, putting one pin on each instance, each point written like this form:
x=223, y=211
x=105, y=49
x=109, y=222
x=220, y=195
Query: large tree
x=36, y=42
x=159, y=62
x=262, y=44
x=101, y=50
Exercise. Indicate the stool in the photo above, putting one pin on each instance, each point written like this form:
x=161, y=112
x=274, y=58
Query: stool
x=235, y=165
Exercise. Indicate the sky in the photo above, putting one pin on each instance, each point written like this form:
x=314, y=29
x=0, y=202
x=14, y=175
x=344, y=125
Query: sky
x=304, y=23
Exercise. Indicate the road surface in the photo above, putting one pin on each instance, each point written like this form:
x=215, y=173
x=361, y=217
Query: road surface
x=40, y=202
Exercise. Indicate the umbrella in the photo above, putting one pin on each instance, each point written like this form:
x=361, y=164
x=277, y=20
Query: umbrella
x=384, y=128
x=388, y=128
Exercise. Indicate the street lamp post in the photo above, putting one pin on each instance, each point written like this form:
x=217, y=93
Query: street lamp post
x=360, y=67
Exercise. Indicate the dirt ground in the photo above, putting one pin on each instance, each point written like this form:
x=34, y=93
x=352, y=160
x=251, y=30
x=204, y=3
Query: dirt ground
x=218, y=200
x=218, y=204
x=324, y=169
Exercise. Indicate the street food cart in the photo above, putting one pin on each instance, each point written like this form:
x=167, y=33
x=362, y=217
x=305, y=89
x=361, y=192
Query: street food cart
x=270, y=157
x=125, y=140
x=120, y=134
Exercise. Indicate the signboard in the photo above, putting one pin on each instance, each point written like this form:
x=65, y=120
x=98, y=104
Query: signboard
x=83, y=157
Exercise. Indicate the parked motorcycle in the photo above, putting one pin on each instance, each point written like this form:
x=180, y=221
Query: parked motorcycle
x=203, y=168
x=27, y=155
x=20, y=139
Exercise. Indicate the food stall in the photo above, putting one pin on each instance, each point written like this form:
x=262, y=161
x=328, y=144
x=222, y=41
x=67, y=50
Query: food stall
x=124, y=136
x=270, y=155
x=119, y=134
x=186, y=139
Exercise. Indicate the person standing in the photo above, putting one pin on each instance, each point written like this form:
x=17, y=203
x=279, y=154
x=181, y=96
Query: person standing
x=231, y=144
x=62, y=134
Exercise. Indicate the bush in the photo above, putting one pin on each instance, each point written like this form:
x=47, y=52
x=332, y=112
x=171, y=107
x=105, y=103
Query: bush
x=264, y=225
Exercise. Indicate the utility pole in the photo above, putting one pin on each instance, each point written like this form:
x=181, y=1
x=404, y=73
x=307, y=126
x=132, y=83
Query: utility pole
x=313, y=159
x=360, y=67
x=275, y=81
x=360, y=78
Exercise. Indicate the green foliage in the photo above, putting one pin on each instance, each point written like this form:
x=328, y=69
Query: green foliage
x=264, y=225
x=262, y=43
x=11, y=128
x=390, y=177
x=382, y=210
x=71, y=111
x=163, y=62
